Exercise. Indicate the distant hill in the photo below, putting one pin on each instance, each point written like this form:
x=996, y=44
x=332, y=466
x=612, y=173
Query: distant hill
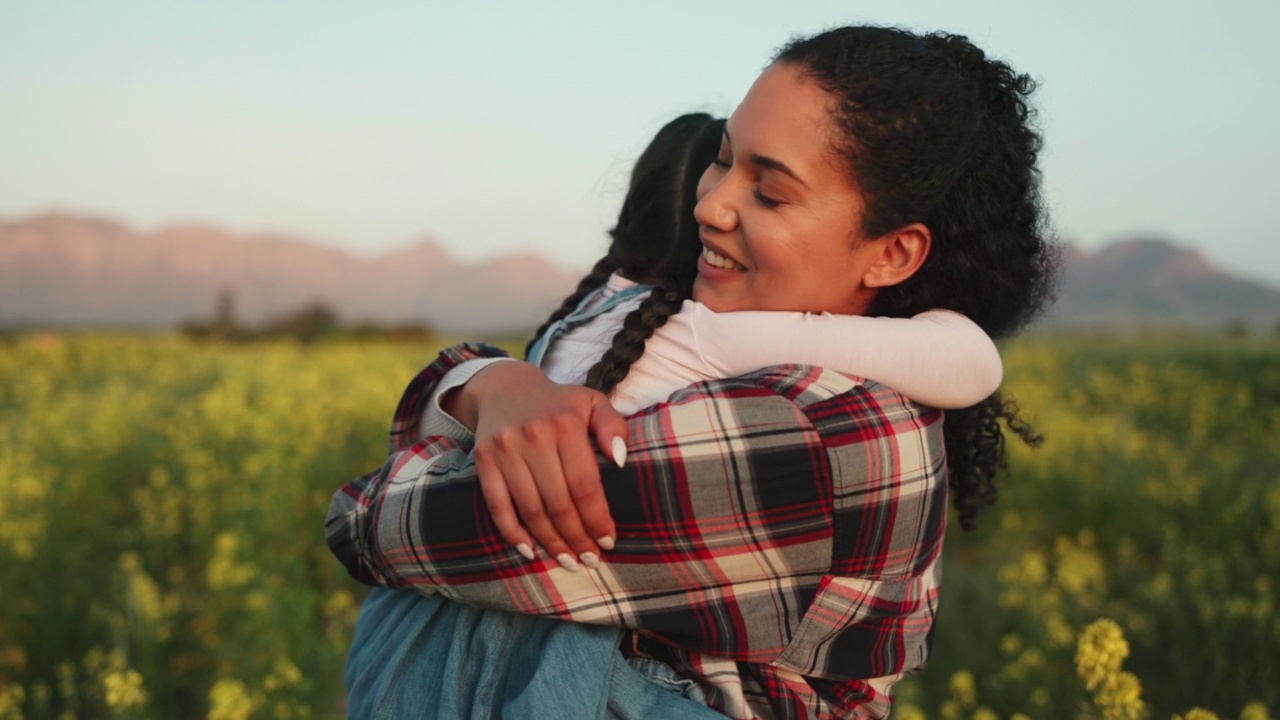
x=65, y=271
x=1151, y=283
x=68, y=271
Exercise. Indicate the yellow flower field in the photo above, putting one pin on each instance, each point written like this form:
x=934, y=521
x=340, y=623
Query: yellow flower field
x=1144, y=532
x=162, y=554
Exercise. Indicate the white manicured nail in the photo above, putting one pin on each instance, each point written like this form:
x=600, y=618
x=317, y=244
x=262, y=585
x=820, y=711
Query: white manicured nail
x=619, y=452
x=525, y=550
x=567, y=562
x=590, y=560
x=605, y=543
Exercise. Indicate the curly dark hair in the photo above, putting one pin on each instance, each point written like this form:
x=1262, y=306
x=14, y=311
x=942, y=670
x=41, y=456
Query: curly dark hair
x=934, y=131
x=655, y=240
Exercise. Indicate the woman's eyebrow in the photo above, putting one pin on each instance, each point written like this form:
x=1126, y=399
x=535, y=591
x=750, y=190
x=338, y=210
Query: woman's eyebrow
x=770, y=163
x=767, y=162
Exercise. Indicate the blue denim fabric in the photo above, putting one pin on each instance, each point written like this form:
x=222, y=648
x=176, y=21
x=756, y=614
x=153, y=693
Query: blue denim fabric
x=418, y=656
x=580, y=316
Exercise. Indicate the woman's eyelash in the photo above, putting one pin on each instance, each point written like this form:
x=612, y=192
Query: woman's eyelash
x=761, y=198
x=766, y=201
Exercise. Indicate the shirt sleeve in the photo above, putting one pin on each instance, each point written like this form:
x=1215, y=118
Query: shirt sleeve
x=938, y=358
x=435, y=421
x=457, y=363
x=738, y=498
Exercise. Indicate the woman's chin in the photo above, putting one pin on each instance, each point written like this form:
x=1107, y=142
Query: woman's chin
x=719, y=302
x=706, y=294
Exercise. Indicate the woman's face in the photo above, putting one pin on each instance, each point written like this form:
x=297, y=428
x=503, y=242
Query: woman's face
x=779, y=219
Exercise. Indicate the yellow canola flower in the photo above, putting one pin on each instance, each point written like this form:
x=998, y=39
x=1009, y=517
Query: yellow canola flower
x=1255, y=711
x=1010, y=644
x=985, y=713
x=285, y=674
x=145, y=595
x=963, y=688
x=229, y=699
x=124, y=690
x=1079, y=568
x=908, y=711
x=223, y=572
x=1100, y=652
x=1057, y=631
x=11, y=699
x=1120, y=697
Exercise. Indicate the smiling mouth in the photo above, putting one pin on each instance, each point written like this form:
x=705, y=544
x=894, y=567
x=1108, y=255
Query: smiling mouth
x=715, y=259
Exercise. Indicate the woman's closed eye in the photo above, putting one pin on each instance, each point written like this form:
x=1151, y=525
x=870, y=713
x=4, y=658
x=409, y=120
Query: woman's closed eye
x=765, y=200
x=725, y=162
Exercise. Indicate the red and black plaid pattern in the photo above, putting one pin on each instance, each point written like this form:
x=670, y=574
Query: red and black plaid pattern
x=779, y=536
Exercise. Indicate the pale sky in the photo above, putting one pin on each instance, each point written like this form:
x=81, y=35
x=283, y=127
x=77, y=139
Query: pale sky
x=496, y=127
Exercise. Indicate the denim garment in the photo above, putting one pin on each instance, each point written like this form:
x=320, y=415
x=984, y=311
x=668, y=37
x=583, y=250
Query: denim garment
x=418, y=656
x=588, y=308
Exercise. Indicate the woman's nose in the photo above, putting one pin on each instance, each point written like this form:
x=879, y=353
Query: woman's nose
x=713, y=209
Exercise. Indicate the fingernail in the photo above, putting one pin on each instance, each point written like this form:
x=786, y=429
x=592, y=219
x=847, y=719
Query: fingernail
x=567, y=562
x=619, y=452
x=590, y=560
x=525, y=550
x=605, y=543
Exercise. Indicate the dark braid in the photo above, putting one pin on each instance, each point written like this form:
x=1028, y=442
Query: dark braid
x=655, y=240
x=628, y=343
x=587, y=285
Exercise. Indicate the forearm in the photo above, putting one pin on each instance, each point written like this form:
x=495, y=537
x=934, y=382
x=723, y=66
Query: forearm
x=938, y=358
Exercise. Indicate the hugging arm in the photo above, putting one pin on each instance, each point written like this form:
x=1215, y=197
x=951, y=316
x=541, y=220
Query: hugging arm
x=739, y=500
x=938, y=358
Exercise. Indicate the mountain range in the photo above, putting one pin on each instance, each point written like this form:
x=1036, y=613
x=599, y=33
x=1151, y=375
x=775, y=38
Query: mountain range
x=65, y=271
x=1148, y=282
x=59, y=270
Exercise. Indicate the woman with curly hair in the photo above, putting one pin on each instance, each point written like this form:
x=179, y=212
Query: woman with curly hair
x=774, y=539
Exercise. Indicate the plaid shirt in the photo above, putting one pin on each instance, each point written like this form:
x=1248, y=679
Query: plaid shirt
x=779, y=537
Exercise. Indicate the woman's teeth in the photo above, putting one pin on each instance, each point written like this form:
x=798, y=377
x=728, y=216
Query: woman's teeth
x=720, y=261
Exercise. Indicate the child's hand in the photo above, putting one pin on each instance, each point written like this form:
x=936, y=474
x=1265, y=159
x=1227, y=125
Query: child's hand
x=535, y=461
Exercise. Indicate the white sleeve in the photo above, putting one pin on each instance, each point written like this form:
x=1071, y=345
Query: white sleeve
x=435, y=421
x=938, y=358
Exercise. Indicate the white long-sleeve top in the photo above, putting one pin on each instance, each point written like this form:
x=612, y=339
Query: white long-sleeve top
x=937, y=358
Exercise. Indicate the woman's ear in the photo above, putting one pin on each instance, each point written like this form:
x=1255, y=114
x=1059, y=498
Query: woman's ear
x=903, y=251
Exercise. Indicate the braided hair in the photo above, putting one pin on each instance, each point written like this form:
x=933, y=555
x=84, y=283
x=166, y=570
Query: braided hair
x=934, y=131
x=655, y=240
x=592, y=281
